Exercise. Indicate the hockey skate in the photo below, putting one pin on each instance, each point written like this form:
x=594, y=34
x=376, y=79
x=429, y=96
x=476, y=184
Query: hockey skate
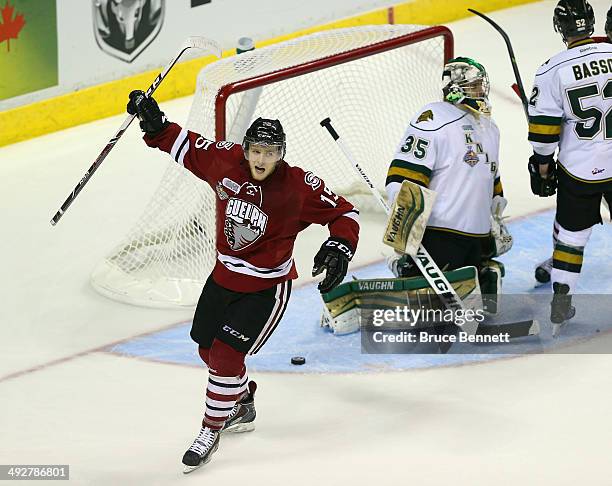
x=242, y=416
x=543, y=270
x=202, y=449
x=561, y=309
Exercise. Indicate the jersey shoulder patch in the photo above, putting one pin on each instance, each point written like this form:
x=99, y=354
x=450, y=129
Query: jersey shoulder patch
x=311, y=180
x=550, y=64
x=436, y=115
x=427, y=115
x=544, y=65
x=300, y=179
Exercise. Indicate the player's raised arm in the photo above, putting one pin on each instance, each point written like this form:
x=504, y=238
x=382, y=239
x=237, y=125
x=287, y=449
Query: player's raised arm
x=191, y=150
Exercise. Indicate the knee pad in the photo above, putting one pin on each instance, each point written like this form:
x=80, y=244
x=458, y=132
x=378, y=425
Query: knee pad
x=577, y=239
x=225, y=360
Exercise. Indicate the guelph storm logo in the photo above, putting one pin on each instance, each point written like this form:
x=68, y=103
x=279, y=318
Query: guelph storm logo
x=245, y=222
x=124, y=28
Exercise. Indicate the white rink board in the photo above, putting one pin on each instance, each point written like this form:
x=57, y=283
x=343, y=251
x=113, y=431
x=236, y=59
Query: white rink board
x=83, y=64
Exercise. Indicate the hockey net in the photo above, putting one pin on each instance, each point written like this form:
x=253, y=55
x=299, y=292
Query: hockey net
x=370, y=80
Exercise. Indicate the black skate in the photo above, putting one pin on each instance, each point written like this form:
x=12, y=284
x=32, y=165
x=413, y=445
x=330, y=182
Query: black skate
x=242, y=416
x=542, y=271
x=561, y=309
x=202, y=449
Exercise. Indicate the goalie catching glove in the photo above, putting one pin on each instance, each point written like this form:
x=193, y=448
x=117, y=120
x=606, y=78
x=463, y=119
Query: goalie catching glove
x=152, y=119
x=502, y=239
x=334, y=257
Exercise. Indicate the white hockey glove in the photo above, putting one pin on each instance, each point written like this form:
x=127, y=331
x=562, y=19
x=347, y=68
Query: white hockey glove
x=501, y=236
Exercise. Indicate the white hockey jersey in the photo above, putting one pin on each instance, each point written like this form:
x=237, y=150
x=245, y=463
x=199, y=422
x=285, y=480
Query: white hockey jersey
x=456, y=153
x=571, y=108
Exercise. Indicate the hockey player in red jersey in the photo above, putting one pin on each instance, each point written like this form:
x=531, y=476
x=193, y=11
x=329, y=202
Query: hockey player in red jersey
x=262, y=203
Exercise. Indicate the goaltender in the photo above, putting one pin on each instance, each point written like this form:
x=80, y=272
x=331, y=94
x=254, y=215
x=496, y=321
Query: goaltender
x=452, y=148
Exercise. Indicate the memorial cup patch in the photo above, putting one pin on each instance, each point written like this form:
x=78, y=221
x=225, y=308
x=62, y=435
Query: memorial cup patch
x=221, y=192
x=471, y=157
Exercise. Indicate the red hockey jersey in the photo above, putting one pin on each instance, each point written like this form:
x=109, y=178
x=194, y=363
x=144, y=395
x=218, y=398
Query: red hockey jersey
x=257, y=221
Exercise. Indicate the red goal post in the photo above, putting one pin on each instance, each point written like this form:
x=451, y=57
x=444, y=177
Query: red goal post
x=370, y=79
x=308, y=67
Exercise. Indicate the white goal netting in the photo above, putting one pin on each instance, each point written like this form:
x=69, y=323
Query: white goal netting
x=370, y=80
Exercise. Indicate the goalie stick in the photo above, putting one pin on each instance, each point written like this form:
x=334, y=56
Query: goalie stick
x=516, y=329
x=434, y=276
x=192, y=42
x=518, y=86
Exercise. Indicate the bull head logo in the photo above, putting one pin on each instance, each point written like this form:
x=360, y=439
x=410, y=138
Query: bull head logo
x=124, y=28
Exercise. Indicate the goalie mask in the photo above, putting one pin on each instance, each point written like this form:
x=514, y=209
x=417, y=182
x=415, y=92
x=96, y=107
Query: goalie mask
x=466, y=82
x=574, y=18
x=265, y=132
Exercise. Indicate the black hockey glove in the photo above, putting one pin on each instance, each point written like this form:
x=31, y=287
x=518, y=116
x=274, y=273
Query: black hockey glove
x=152, y=119
x=541, y=186
x=334, y=257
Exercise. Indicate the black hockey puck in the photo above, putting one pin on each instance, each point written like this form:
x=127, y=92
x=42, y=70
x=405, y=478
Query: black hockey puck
x=298, y=360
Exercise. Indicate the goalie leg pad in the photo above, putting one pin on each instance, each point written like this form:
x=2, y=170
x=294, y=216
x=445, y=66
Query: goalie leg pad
x=408, y=217
x=352, y=305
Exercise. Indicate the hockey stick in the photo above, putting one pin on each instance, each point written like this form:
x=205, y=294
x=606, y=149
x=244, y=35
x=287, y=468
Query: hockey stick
x=515, y=329
x=434, y=276
x=192, y=42
x=518, y=86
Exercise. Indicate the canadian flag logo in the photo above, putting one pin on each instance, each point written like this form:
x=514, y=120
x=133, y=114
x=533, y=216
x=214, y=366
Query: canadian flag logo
x=10, y=27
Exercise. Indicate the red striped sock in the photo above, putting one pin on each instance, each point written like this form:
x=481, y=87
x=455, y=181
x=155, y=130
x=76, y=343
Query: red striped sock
x=222, y=393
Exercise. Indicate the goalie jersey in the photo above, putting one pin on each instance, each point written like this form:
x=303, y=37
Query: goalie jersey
x=571, y=108
x=455, y=153
x=257, y=222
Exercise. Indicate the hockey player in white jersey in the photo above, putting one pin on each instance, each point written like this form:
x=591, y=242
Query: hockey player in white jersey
x=544, y=268
x=569, y=111
x=452, y=147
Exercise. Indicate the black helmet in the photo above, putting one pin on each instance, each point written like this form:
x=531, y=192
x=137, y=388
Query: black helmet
x=265, y=132
x=574, y=18
x=609, y=24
